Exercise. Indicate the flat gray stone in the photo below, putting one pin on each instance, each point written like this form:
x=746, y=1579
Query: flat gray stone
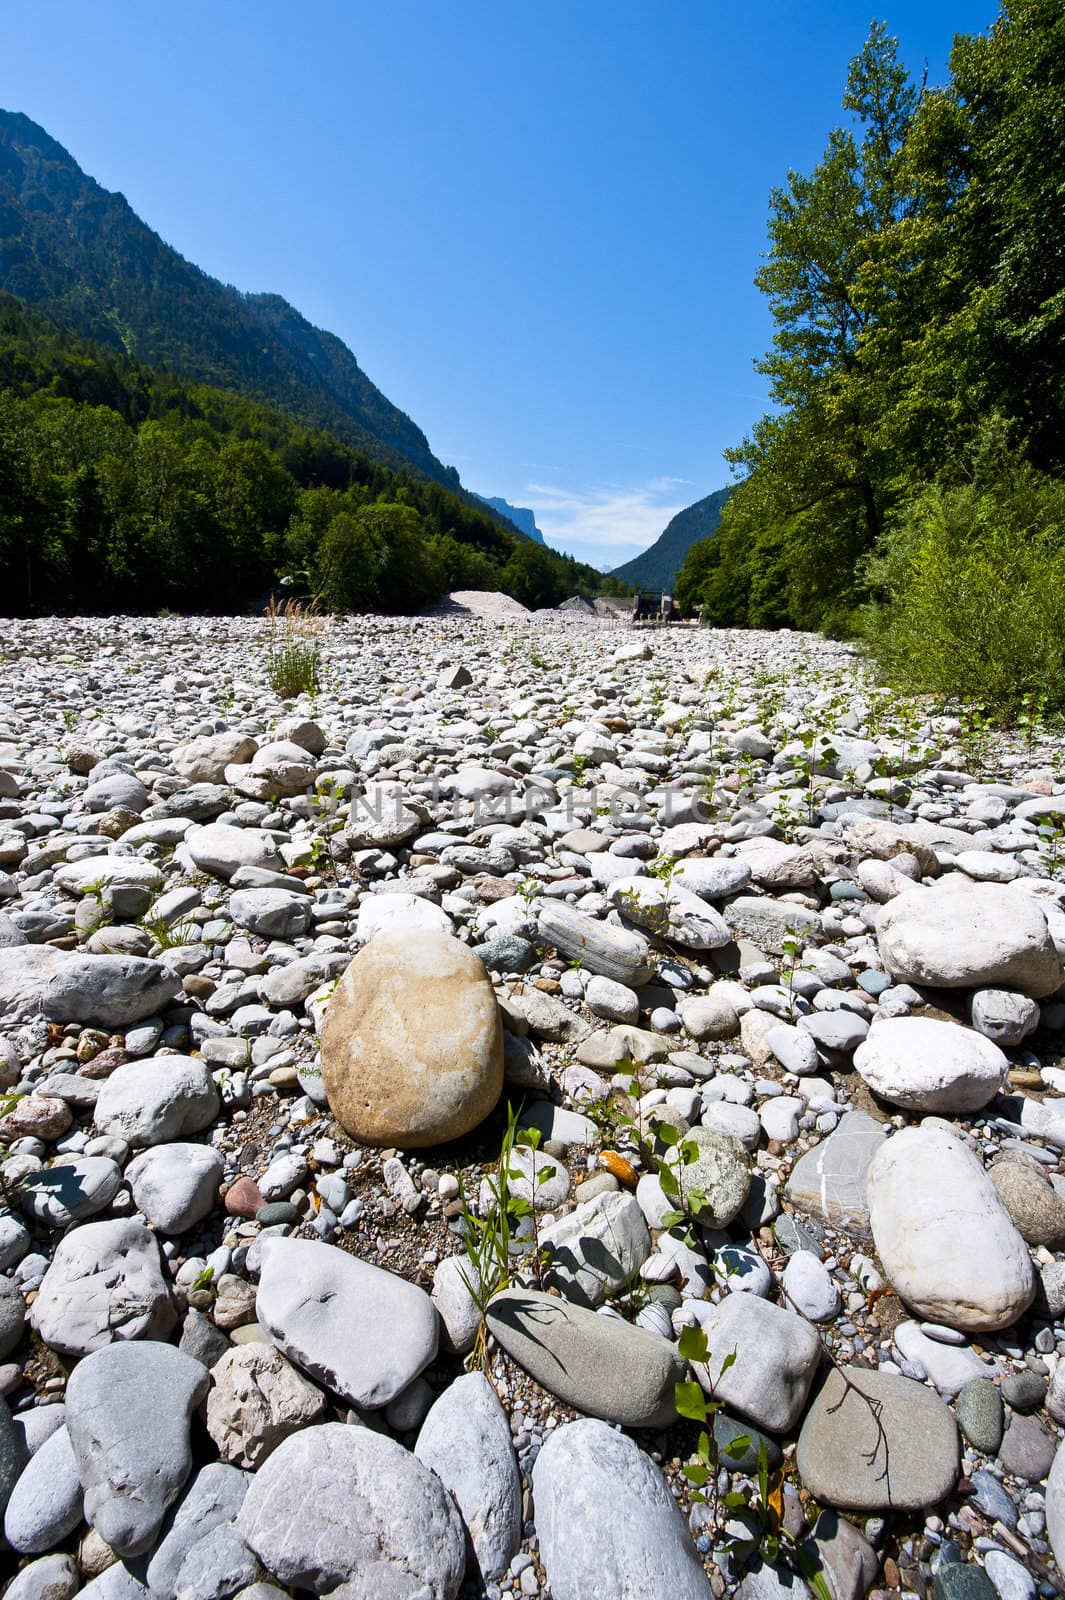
x=37, y=980
x=899, y=1453
x=599, y=1365
x=607, y=1522
x=346, y=1511
x=465, y=1440
x=831, y=1179
x=71, y=1191
x=776, y=1352
x=152, y=1102
x=46, y=1503
x=1055, y=1506
x=104, y=1283
x=202, y=1555
x=362, y=1332
x=128, y=1413
x=1027, y=1448
x=978, y=1410
x=595, y=1249
x=176, y=1185
x=271, y=913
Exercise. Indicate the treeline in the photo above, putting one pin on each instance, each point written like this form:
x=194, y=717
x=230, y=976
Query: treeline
x=908, y=484
x=123, y=487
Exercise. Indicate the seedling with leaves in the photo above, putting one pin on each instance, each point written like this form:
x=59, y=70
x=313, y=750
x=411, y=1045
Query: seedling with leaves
x=492, y=1241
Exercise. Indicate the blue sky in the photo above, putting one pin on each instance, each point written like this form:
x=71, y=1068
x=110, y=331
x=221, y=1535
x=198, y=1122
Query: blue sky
x=535, y=225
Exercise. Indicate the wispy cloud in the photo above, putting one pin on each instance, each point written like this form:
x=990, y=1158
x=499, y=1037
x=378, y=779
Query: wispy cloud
x=609, y=523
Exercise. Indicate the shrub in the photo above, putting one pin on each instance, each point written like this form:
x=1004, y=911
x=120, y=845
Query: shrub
x=294, y=656
x=971, y=584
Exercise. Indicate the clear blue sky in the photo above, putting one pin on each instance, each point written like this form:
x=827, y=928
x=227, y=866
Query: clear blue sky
x=535, y=224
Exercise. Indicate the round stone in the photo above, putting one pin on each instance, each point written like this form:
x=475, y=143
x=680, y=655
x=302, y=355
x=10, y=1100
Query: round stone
x=928, y=1065
x=873, y=1441
x=713, y=1175
x=978, y=1410
x=412, y=1046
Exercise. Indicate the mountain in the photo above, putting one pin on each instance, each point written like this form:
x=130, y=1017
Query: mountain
x=83, y=255
x=657, y=567
x=522, y=518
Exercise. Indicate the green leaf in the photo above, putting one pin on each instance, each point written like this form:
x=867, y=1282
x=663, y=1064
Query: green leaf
x=734, y=1501
x=692, y=1344
x=729, y=1361
x=671, y=1218
x=697, y=1473
x=690, y=1401
x=739, y=1446
x=667, y=1134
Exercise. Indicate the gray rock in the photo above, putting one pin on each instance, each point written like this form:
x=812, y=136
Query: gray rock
x=715, y=1183
x=116, y=1583
x=70, y=1191
x=595, y=1249
x=1024, y=1391
x=809, y=1287
x=978, y=1409
x=452, y=1298
x=599, y=1365
x=831, y=1179
x=51, y=1578
x=882, y=1443
x=617, y=953
x=271, y=913
x=836, y=1032
x=362, y=1332
x=465, y=1440
x=768, y=923
x=201, y=1340
x=338, y=1509
x=964, y=935
x=202, y=1555
x=928, y=1065
x=104, y=1283
x=12, y=1316
x=844, y=1554
x=128, y=1413
x=221, y=849
x=1011, y=1580
x=176, y=1185
x=991, y=1497
x=38, y=1424
x=776, y=1356
x=286, y=986
x=1005, y=1017
x=151, y=1102
x=1027, y=1448
x=946, y=1241
x=114, y=991
x=46, y=1502
x=607, y=1522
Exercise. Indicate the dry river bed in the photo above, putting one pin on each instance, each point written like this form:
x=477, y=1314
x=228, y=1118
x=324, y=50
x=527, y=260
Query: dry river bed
x=768, y=960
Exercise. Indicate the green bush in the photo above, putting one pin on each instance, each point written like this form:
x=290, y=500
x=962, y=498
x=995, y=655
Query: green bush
x=971, y=586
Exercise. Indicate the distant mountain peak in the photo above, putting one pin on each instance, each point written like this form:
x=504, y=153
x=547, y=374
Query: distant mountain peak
x=658, y=566
x=81, y=253
x=522, y=518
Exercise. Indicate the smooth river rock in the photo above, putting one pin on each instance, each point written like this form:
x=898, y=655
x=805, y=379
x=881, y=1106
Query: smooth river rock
x=64, y=986
x=128, y=1412
x=964, y=935
x=927, y=1065
x=599, y=1365
x=609, y=1528
x=465, y=1440
x=946, y=1241
x=104, y=1283
x=893, y=1446
x=412, y=1045
x=346, y=1511
x=361, y=1331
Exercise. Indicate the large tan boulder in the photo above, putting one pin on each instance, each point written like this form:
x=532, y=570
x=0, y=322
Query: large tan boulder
x=412, y=1044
